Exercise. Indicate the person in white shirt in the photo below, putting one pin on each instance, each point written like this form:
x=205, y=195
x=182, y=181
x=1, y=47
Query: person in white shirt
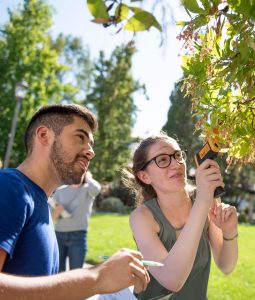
x=71, y=228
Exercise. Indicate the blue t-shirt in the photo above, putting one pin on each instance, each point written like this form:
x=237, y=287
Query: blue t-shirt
x=26, y=228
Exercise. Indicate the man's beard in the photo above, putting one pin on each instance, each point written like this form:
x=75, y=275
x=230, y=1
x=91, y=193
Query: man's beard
x=65, y=165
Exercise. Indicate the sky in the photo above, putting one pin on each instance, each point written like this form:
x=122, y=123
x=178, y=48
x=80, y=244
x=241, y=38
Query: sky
x=156, y=67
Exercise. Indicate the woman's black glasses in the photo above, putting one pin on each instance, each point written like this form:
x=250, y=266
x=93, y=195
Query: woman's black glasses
x=164, y=160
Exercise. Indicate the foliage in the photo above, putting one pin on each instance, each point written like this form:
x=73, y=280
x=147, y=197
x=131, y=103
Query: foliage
x=180, y=124
x=124, y=194
x=119, y=191
x=242, y=218
x=112, y=204
x=111, y=99
x=116, y=13
x=61, y=70
x=109, y=233
x=26, y=52
x=73, y=54
x=219, y=66
x=220, y=69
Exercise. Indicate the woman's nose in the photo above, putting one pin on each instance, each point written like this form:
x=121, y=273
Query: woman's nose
x=174, y=163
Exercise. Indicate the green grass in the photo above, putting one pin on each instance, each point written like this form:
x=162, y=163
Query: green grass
x=107, y=234
x=110, y=232
x=239, y=285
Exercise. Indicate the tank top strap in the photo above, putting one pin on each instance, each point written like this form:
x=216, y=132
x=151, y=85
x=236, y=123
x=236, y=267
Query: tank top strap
x=167, y=232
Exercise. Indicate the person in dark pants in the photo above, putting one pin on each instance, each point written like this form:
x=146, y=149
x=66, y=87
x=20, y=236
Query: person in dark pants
x=71, y=231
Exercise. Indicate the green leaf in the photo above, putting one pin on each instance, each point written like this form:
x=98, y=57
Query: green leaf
x=218, y=49
x=200, y=21
x=244, y=7
x=226, y=49
x=192, y=6
x=241, y=131
x=135, y=9
x=182, y=23
x=142, y=21
x=244, y=51
x=206, y=4
x=216, y=2
x=121, y=12
x=97, y=8
x=245, y=149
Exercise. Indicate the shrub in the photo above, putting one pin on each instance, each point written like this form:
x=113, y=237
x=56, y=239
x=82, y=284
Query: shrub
x=124, y=194
x=111, y=191
x=242, y=218
x=112, y=204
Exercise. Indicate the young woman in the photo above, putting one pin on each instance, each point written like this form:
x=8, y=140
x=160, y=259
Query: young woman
x=176, y=226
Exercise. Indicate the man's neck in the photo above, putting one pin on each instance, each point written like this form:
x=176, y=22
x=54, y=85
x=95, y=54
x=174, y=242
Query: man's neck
x=39, y=174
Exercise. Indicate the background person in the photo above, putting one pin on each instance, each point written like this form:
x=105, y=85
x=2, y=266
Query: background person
x=71, y=232
x=174, y=226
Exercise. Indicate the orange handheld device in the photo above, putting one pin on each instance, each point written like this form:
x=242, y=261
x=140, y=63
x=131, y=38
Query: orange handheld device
x=210, y=150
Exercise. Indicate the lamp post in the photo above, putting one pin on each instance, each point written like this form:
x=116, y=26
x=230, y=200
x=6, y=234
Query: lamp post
x=20, y=93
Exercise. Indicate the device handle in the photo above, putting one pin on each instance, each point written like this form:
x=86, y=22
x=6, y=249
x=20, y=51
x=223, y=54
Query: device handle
x=219, y=192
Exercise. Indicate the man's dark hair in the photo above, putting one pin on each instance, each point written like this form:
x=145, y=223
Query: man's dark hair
x=56, y=117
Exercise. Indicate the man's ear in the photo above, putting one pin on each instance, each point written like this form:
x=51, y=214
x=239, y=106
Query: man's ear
x=143, y=176
x=44, y=135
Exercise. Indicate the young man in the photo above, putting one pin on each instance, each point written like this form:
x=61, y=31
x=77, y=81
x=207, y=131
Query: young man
x=121, y=270
x=58, y=140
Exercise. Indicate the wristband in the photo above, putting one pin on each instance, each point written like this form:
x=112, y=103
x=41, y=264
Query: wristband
x=230, y=239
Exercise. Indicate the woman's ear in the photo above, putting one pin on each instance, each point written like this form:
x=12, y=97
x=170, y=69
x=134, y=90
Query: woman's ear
x=143, y=176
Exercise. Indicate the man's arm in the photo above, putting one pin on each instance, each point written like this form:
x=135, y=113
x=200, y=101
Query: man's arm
x=118, y=272
x=93, y=186
x=3, y=256
x=56, y=213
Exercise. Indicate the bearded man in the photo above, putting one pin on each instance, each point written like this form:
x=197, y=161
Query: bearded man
x=59, y=145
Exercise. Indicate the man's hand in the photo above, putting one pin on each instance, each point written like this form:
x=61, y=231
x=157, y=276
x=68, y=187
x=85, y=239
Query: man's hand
x=121, y=270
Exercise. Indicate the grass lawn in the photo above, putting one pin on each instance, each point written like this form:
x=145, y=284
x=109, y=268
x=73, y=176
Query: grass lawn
x=110, y=232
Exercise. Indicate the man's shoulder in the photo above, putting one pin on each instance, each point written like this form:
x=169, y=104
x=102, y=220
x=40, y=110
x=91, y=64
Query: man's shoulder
x=13, y=182
x=9, y=176
x=14, y=191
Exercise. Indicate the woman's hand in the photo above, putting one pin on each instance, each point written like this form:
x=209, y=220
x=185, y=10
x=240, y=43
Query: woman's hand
x=224, y=216
x=208, y=178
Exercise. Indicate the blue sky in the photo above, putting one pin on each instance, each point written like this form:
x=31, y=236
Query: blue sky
x=157, y=67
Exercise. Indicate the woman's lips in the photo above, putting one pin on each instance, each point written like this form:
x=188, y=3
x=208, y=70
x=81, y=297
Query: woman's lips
x=177, y=175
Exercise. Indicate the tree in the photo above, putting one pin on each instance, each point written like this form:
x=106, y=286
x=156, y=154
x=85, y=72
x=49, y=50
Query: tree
x=220, y=71
x=73, y=54
x=26, y=52
x=180, y=123
x=112, y=101
x=219, y=65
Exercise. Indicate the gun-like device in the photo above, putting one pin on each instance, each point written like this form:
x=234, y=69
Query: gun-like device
x=210, y=150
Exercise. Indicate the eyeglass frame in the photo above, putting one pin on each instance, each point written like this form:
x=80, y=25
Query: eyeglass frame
x=169, y=155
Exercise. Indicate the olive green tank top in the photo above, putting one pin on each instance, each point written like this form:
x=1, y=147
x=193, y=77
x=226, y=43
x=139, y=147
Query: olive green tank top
x=195, y=287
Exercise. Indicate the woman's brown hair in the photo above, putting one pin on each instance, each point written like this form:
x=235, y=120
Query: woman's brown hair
x=130, y=179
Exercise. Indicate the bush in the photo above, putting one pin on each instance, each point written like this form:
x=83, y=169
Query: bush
x=112, y=204
x=242, y=218
x=111, y=191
